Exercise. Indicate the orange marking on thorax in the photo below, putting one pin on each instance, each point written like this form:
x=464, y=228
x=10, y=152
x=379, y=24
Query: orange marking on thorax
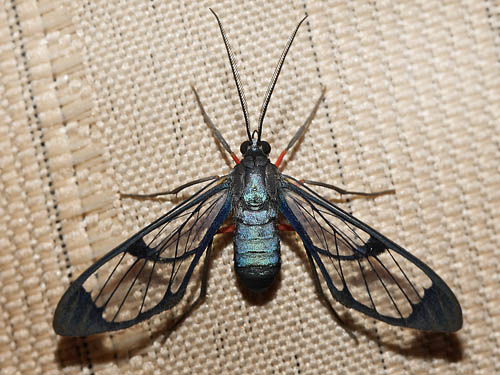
x=226, y=229
x=286, y=228
x=235, y=158
x=280, y=158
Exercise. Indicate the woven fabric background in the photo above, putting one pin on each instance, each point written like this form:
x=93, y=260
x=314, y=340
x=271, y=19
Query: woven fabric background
x=96, y=100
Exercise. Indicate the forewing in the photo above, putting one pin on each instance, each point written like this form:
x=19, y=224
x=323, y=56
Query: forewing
x=146, y=274
x=365, y=270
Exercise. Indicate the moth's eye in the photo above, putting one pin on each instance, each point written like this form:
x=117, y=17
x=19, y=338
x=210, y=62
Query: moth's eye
x=266, y=147
x=244, y=147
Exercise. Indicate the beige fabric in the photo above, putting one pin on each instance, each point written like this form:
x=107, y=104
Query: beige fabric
x=95, y=99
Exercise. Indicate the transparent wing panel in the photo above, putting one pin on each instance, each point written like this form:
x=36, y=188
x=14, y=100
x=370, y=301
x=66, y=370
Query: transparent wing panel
x=149, y=272
x=366, y=271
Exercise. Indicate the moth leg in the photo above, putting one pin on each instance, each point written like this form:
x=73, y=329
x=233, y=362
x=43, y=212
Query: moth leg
x=323, y=296
x=216, y=131
x=171, y=192
x=341, y=191
x=302, y=129
x=203, y=291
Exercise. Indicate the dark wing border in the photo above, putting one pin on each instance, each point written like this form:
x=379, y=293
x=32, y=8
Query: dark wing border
x=76, y=313
x=438, y=310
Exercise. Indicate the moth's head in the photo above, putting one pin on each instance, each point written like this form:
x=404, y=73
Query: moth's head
x=255, y=147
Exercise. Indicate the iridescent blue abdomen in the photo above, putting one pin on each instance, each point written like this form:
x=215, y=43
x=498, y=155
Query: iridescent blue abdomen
x=256, y=241
x=256, y=251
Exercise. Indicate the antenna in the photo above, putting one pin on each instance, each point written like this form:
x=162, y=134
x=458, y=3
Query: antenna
x=236, y=76
x=275, y=76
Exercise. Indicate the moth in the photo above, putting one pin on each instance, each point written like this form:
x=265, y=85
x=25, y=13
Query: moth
x=151, y=271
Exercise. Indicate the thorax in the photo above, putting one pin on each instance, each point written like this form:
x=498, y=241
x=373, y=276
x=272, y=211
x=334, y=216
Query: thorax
x=255, y=195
